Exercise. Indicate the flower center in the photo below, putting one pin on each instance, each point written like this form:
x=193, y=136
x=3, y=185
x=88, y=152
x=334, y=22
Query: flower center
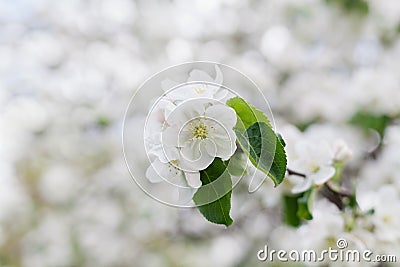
x=199, y=131
x=314, y=168
x=387, y=219
x=200, y=90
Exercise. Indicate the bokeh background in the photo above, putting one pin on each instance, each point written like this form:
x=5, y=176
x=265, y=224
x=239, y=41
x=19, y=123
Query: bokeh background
x=69, y=68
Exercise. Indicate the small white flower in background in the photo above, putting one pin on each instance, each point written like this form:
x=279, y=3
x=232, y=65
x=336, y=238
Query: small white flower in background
x=386, y=217
x=341, y=151
x=318, y=234
x=315, y=161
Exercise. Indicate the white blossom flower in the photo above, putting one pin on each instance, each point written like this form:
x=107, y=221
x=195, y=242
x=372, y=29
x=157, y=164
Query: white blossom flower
x=341, y=151
x=156, y=121
x=199, y=85
x=186, y=129
x=315, y=161
x=202, y=130
x=386, y=217
x=172, y=172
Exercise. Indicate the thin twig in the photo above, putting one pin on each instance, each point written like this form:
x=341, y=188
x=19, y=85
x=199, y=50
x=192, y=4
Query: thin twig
x=292, y=172
x=341, y=193
x=333, y=197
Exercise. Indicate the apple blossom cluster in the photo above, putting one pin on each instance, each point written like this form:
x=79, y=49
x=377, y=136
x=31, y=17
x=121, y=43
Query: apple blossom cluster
x=187, y=128
x=193, y=130
x=191, y=135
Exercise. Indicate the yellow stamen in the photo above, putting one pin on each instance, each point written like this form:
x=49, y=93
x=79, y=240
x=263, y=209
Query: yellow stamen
x=199, y=131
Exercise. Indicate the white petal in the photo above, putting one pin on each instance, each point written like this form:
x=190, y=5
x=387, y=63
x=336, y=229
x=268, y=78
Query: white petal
x=199, y=76
x=302, y=149
x=218, y=75
x=169, y=107
x=152, y=175
x=185, y=192
x=322, y=153
x=225, y=140
x=193, y=179
x=184, y=136
x=211, y=148
x=159, y=171
x=225, y=149
x=185, y=166
x=323, y=174
x=187, y=111
x=221, y=94
x=185, y=92
x=170, y=136
x=154, y=150
x=170, y=153
x=303, y=186
x=222, y=114
x=300, y=165
x=195, y=155
x=191, y=151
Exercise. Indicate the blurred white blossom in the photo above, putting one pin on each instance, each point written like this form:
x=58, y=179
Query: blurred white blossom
x=69, y=68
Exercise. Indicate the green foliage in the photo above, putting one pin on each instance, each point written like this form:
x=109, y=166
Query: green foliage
x=298, y=207
x=265, y=150
x=367, y=121
x=257, y=139
x=351, y=201
x=291, y=207
x=247, y=114
x=305, y=203
x=302, y=126
x=237, y=164
x=216, y=184
x=280, y=138
x=351, y=6
x=103, y=121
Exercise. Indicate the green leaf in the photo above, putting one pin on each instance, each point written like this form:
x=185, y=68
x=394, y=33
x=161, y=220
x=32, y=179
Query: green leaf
x=352, y=6
x=247, y=114
x=305, y=203
x=280, y=138
x=103, y=121
x=216, y=192
x=237, y=164
x=264, y=149
x=366, y=121
x=257, y=139
x=291, y=207
x=303, y=125
x=298, y=207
